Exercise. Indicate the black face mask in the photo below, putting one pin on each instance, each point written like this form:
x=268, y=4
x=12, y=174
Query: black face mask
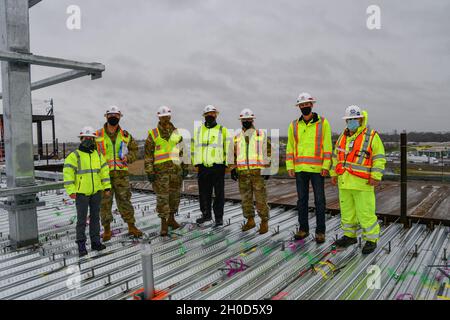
x=87, y=146
x=306, y=111
x=210, y=121
x=113, y=121
x=247, y=124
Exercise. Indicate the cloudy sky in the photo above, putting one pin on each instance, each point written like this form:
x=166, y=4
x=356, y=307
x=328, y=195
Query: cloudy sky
x=248, y=53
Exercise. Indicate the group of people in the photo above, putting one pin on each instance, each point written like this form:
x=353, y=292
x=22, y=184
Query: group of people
x=98, y=169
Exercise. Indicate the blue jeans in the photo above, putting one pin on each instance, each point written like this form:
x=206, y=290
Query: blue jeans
x=318, y=183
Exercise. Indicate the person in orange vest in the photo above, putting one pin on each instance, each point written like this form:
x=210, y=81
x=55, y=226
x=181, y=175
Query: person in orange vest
x=308, y=158
x=119, y=149
x=358, y=167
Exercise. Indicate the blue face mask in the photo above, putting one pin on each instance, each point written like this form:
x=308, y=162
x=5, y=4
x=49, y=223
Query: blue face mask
x=353, y=124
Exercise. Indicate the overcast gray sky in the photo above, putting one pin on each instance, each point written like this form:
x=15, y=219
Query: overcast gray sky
x=248, y=53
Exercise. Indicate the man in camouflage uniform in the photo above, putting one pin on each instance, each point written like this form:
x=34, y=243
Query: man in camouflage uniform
x=165, y=169
x=252, y=155
x=119, y=149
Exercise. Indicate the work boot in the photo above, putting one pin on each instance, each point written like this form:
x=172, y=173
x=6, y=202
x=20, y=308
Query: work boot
x=133, y=231
x=250, y=224
x=264, y=227
x=172, y=222
x=320, y=237
x=345, y=241
x=369, y=247
x=219, y=223
x=301, y=235
x=82, y=251
x=203, y=220
x=164, y=228
x=98, y=246
x=107, y=233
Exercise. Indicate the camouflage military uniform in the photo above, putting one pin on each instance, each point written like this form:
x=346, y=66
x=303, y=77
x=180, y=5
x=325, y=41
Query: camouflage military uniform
x=120, y=183
x=253, y=185
x=168, y=180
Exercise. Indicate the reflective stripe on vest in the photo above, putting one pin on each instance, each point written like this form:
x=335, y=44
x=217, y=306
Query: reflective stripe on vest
x=165, y=150
x=207, y=153
x=255, y=159
x=111, y=151
x=319, y=155
x=358, y=160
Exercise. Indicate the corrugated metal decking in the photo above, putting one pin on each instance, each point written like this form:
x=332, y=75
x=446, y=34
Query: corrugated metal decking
x=222, y=263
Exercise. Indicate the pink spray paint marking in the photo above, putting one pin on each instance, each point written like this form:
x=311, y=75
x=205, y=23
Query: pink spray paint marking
x=235, y=266
x=280, y=296
x=404, y=296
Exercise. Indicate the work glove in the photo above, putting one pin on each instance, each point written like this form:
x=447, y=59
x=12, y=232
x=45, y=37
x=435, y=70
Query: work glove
x=234, y=175
x=151, y=177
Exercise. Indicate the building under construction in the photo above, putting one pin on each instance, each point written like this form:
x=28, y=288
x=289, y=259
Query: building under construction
x=39, y=258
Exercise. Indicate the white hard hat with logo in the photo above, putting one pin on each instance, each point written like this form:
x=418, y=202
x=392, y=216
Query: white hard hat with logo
x=164, y=111
x=113, y=110
x=88, y=132
x=353, y=112
x=209, y=108
x=246, y=114
x=305, y=97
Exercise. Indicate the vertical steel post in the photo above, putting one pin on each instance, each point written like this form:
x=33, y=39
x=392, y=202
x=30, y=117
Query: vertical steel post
x=403, y=178
x=15, y=37
x=39, y=139
x=147, y=271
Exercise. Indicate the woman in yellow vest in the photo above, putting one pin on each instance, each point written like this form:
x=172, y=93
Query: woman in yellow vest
x=164, y=168
x=358, y=166
x=252, y=156
x=86, y=175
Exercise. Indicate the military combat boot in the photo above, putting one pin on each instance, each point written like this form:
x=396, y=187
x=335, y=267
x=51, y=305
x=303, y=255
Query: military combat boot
x=133, y=231
x=172, y=222
x=107, y=233
x=264, y=227
x=164, y=228
x=249, y=225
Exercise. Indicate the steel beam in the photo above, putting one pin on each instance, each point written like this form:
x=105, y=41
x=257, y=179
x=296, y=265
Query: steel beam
x=66, y=76
x=94, y=68
x=15, y=37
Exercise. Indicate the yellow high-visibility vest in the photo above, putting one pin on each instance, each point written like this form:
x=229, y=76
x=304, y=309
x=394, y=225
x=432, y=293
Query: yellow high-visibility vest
x=251, y=156
x=166, y=150
x=112, y=151
x=210, y=146
x=85, y=173
x=309, y=146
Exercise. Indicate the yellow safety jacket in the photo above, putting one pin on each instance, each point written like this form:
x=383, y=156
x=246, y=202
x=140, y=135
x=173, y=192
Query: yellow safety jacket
x=113, y=151
x=85, y=173
x=210, y=146
x=358, y=157
x=309, y=145
x=166, y=150
x=254, y=154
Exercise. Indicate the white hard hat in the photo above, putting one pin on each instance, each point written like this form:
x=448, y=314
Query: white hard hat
x=209, y=108
x=353, y=112
x=305, y=97
x=88, y=132
x=246, y=114
x=113, y=110
x=164, y=111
